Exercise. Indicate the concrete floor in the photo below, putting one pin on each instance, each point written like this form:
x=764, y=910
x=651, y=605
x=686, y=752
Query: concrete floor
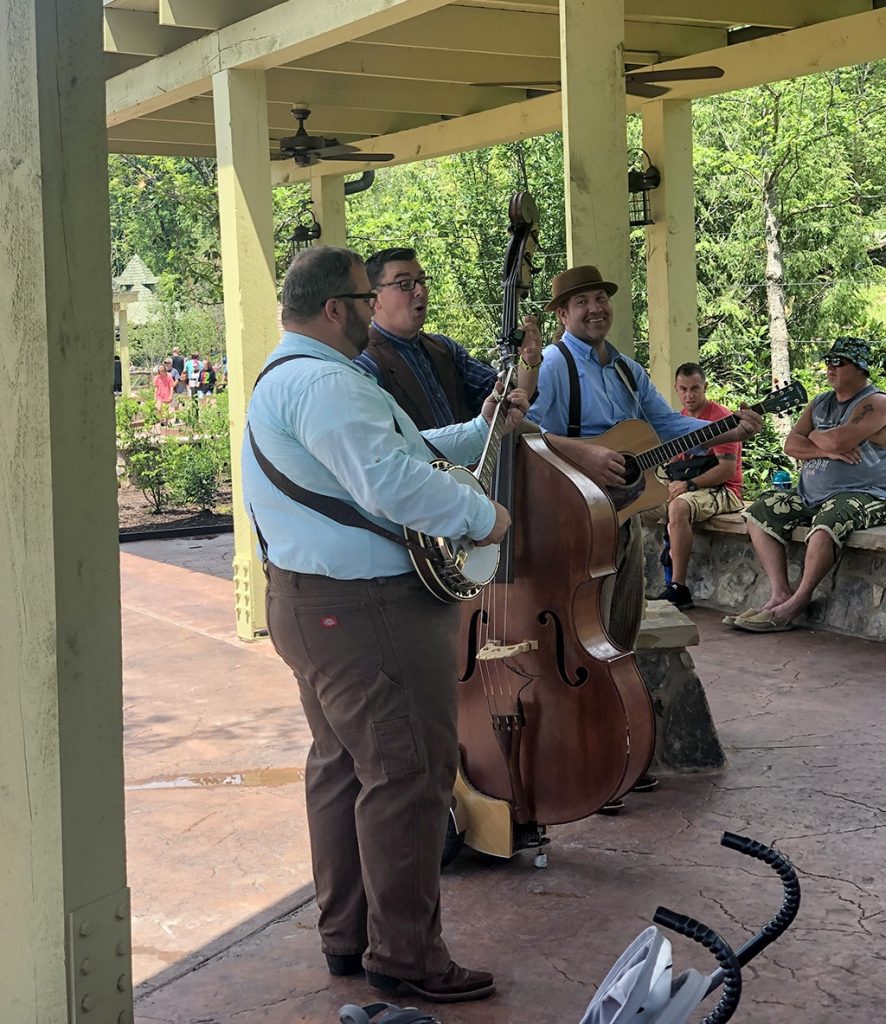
x=223, y=916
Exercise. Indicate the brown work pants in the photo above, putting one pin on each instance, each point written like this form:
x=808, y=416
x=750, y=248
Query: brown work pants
x=376, y=668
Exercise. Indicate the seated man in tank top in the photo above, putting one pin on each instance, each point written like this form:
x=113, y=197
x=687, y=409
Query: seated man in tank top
x=841, y=442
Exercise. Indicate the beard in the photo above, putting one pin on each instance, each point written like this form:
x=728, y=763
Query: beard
x=356, y=331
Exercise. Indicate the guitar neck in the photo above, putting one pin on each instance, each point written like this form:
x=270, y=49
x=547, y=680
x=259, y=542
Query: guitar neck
x=665, y=452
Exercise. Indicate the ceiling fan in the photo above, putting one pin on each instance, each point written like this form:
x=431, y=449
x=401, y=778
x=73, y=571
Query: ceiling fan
x=637, y=83
x=309, y=149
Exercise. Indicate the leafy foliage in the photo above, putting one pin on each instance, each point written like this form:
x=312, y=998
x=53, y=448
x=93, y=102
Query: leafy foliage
x=811, y=148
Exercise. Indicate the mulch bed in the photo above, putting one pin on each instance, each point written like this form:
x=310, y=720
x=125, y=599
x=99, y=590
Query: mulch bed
x=136, y=516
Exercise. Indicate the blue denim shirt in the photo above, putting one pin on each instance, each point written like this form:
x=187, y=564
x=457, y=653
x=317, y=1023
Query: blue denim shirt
x=605, y=398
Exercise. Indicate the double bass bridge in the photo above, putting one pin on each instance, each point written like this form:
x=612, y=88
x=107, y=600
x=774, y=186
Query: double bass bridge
x=495, y=650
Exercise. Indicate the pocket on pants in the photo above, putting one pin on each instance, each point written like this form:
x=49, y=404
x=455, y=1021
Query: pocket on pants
x=337, y=640
x=395, y=740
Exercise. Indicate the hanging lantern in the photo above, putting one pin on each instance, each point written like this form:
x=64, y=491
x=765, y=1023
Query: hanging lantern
x=641, y=181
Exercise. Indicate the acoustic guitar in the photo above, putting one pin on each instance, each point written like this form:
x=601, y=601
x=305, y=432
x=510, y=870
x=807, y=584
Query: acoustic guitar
x=644, y=453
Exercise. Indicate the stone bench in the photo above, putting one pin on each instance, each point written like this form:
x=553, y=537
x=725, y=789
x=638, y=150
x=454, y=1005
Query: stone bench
x=686, y=737
x=724, y=573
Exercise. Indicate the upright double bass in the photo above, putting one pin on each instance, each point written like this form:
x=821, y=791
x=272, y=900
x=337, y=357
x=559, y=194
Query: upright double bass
x=554, y=718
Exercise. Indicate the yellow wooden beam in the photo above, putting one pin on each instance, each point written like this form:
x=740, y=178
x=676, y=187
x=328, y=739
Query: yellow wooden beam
x=328, y=197
x=595, y=150
x=137, y=32
x=209, y=15
x=488, y=128
x=336, y=121
x=856, y=39
x=670, y=243
x=728, y=13
x=286, y=85
x=248, y=279
x=61, y=716
x=435, y=65
x=431, y=65
x=484, y=30
x=285, y=32
x=125, y=365
x=142, y=148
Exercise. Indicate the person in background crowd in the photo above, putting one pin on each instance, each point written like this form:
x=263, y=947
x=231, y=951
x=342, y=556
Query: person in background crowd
x=193, y=366
x=163, y=391
x=207, y=382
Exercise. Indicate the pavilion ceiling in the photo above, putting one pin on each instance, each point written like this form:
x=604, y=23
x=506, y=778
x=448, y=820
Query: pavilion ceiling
x=407, y=69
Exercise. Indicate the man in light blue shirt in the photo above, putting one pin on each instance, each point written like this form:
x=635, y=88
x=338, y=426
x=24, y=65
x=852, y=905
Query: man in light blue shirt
x=372, y=650
x=611, y=388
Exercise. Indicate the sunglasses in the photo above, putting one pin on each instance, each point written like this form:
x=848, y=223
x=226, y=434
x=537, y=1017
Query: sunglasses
x=406, y=284
x=836, y=361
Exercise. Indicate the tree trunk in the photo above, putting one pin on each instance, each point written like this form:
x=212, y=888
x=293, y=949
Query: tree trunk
x=775, y=297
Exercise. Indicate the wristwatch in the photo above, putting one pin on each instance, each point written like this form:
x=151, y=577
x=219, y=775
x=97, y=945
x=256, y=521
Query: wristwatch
x=690, y=485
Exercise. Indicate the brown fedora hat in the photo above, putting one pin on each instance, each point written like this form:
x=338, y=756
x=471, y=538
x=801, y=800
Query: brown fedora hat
x=577, y=279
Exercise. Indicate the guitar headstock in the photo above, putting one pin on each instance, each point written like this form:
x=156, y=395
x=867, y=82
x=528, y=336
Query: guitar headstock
x=786, y=398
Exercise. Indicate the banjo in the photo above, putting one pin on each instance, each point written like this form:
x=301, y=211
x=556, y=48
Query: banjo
x=456, y=569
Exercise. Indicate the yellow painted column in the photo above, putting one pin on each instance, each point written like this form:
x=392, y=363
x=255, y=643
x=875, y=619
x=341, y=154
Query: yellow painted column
x=595, y=149
x=125, y=368
x=248, y=279
x=63, y=875
x=670, y=243
x=328, y=196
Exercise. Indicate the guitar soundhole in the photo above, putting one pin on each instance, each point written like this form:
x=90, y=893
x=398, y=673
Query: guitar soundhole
x=632, y=470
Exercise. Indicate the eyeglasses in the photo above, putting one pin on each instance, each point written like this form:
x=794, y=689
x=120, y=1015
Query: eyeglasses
x=406, y=284
x=836, y=361
x=370, y=297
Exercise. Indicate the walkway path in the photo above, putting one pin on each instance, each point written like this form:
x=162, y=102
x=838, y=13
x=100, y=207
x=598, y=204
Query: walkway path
x=223, y=927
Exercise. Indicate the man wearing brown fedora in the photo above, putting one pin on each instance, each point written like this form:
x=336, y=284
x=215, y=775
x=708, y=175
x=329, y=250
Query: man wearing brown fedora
x=585, y=387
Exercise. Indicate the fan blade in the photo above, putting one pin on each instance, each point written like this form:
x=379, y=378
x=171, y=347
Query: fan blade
x=356, y=156
x=675, y=74
x=648, y=92
x=552, y=86
x=338, y=148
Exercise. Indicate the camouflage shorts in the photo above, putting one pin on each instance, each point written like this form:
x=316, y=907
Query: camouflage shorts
x=779, y=512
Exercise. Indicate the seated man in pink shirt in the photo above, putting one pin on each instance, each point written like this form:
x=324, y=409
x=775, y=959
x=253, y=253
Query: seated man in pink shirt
x=711, y=493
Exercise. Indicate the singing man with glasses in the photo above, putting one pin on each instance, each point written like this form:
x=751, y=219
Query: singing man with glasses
x=841, y=442
x=431, y=376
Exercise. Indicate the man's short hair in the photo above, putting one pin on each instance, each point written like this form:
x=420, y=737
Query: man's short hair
x=314, y=275
x=376, y=263
x=690, y=370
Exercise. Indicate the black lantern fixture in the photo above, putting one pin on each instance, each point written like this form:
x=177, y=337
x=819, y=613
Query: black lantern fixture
x=305, y=231
x=641, y=181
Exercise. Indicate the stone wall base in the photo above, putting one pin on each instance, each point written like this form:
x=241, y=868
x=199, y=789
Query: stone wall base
x=724, y=573
x=685, y=735
x=686, y=738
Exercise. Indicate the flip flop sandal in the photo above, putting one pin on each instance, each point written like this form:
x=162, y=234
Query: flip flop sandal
x=764, y=623
x=730, y=620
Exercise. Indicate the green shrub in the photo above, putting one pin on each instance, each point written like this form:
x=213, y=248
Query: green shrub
x=146, y=458
x=192, y=473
